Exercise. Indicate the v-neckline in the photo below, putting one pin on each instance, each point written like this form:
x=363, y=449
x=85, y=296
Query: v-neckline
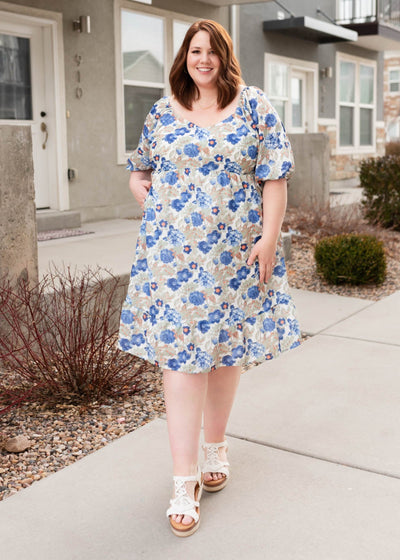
x=189, y=122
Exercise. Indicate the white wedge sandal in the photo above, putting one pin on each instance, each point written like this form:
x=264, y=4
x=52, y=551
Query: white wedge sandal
x=183, y=504
x=213, y=464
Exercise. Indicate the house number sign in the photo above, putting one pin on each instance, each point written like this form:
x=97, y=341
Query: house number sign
x=78, y=89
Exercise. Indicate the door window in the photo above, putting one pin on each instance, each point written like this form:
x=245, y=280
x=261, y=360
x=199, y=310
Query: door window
x=297, y=100
x=15, y=78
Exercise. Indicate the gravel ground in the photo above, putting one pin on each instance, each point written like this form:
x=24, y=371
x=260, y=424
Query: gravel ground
x=61, y=434
x=302, y=272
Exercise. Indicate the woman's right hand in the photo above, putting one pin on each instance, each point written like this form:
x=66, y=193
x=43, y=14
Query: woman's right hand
x=139, y=186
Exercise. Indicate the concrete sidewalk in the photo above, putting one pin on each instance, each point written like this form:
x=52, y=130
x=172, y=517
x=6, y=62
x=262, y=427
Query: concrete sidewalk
x=314, y=447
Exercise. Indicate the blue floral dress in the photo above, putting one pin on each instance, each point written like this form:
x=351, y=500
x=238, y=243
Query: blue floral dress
x=193, y=304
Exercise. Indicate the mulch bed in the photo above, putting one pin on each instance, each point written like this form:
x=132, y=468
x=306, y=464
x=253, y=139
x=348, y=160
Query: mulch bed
x=61, y=434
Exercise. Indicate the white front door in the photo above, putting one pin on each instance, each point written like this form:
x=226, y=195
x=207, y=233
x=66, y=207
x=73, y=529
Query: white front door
x=26, y=95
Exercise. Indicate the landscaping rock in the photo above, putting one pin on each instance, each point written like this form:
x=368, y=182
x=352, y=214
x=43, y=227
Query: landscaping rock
x=17, y=444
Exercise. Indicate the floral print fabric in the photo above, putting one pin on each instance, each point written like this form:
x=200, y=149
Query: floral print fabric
x=193, y=304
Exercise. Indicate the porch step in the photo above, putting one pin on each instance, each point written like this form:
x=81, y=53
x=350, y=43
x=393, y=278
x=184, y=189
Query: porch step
x=51, y=220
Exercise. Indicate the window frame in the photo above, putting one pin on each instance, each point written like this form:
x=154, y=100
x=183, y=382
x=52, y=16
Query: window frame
x=356, y=147
x=311, y=88
x=393, y=69
x=142, y=9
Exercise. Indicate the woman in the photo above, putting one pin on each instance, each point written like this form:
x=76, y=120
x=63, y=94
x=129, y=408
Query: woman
x=208, y=290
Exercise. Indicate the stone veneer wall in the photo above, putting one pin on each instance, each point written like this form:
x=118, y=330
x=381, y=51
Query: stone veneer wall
x=18, y=247
x=346, y=166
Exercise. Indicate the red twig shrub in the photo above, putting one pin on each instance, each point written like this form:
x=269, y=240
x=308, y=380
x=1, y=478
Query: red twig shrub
x=58, y=338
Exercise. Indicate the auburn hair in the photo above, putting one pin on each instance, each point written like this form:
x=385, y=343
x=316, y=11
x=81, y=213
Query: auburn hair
x=183, y=87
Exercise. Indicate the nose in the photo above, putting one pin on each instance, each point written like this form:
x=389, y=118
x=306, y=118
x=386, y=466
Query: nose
x=204, y=56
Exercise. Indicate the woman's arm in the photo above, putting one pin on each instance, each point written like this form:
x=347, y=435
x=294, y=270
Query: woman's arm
x=139, y=184
x=274, y=207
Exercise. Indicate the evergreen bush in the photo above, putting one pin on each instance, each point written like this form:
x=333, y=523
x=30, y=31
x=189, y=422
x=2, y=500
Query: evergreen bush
x=380, y=179
x=351, y=259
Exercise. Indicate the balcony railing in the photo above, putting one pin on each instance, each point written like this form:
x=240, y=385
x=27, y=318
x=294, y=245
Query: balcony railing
x=362, y=11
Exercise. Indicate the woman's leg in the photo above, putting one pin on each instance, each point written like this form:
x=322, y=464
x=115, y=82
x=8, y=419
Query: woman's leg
x=184, y=396
x=222, y=385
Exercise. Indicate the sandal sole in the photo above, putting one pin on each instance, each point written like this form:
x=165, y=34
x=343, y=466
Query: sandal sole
x=193, y=529
x=215, y=487
x=187, y=533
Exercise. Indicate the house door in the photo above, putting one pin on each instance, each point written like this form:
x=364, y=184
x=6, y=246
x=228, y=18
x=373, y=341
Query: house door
x=298, y=101
x=26, y=94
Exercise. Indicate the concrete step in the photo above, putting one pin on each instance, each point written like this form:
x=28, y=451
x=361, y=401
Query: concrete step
x=48, y=220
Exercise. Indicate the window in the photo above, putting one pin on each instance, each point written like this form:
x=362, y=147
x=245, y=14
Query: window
x=394, y=80
x=278, y=88
x=393, y=130
x=359, y=10
x=15, y=78
x=149, y=41
x=356, y=103
x=143, y=69
x=291, y=88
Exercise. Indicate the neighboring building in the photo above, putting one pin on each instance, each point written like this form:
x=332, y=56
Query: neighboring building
x=391, y=88
x=319, y=77
x=85, y=95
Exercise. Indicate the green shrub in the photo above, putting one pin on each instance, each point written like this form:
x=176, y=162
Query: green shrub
x=351, y=259
x=380, y=179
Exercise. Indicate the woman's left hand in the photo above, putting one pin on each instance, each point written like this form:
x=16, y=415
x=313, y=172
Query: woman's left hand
x=265, y=251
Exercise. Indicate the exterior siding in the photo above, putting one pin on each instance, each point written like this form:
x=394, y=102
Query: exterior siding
x=101, y=189
x=254, y=43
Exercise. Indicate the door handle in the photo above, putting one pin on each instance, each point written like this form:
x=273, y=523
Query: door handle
x=43, y=128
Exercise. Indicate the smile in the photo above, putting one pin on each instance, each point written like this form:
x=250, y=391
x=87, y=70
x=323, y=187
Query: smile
x=204, y=69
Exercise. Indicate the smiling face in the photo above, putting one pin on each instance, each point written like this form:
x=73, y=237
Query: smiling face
x=202, y=62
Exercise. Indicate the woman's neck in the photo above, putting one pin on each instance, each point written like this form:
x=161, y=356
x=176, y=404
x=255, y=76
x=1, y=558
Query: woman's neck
x=207, y=98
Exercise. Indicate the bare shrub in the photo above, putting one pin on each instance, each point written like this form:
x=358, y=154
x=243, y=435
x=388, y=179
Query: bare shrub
x=58, y=338
x=330, y=221
x=392, y=148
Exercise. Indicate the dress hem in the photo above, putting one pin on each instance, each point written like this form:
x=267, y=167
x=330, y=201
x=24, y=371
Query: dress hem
x=240, y=363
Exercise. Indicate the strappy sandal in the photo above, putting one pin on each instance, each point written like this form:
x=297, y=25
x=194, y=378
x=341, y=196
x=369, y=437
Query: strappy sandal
x=213, y=464
x=183, y=504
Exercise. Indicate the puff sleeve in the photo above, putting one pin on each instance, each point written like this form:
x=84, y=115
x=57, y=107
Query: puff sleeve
x=275, y=156
x=140, y=158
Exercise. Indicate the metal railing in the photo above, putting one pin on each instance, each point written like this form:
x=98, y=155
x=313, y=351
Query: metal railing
x=361, y=11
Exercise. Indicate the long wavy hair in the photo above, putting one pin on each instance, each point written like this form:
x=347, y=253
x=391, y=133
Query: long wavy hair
x=183, y=87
